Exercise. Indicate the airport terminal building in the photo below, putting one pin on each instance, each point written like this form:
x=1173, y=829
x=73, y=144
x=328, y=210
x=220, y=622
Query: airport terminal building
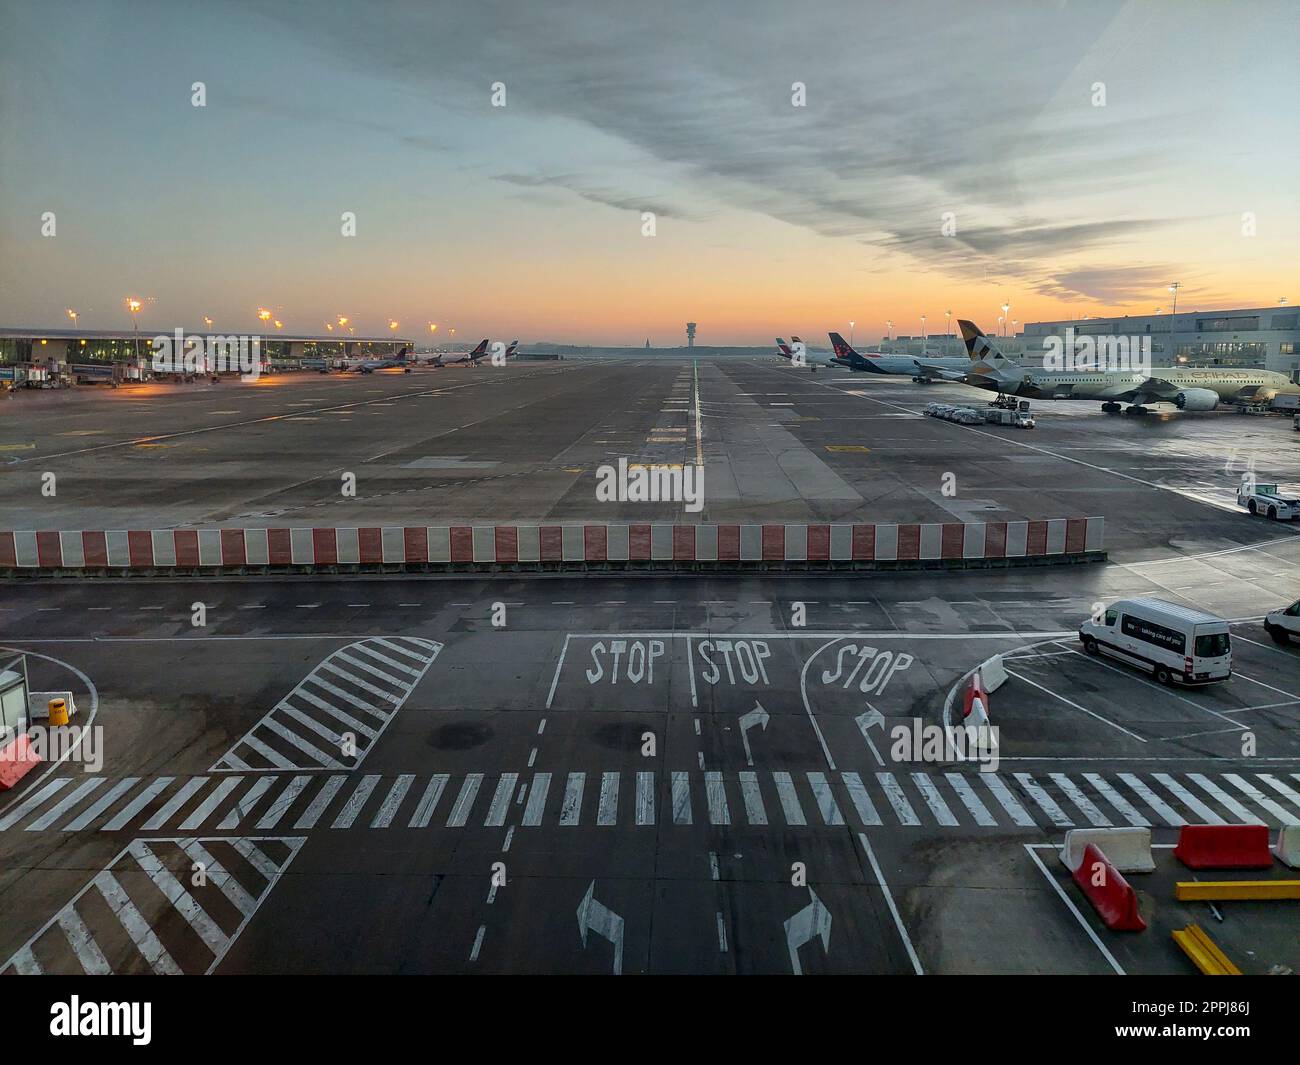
x=1254, y=337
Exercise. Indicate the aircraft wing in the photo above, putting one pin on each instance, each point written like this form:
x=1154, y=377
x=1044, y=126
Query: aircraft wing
x=938, y=373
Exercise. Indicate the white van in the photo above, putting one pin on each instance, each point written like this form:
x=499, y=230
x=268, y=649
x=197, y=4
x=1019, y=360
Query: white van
x=1170, y=641
x=1283, y=623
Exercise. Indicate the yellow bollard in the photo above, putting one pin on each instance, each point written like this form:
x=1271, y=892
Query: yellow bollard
x=58, y=712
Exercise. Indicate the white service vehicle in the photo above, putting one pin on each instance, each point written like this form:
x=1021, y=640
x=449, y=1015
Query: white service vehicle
x=1268, y=500
x=1283, y=623
x=1172, y=642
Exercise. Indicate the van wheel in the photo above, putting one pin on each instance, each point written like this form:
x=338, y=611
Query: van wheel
x=1272, y=513
x=1090, y=645
x=1278, y=633
x=1251, y=506
x=1163, y=675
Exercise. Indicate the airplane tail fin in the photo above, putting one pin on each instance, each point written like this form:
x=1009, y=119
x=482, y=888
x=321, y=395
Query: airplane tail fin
x=510, y=351
x=783, y=349
x=846, y=355
x=981, y=347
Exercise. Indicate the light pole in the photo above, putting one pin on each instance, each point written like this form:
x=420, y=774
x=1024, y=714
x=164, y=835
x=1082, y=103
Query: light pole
x=1006, y=314
x=889, y=329
x=948, y=330
x=850, y=334
x=133, y=305
x=922, y=336
x=1174, y=286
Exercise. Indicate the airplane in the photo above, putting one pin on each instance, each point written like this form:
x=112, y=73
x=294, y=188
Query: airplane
x=1194, y=389
x=783, y=349
x=395, y=362
x=920, y=370
x=469, y=358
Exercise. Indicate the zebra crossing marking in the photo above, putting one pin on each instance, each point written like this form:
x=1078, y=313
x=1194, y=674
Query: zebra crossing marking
x=343, y=801
x=356, y=689
x=110, y=924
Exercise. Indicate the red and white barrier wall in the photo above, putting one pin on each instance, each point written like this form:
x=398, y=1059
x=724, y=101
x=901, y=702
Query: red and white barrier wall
x=439, y=546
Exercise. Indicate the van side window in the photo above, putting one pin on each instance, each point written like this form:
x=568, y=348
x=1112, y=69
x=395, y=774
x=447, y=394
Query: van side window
x=1111, y=615
x=1150, y=632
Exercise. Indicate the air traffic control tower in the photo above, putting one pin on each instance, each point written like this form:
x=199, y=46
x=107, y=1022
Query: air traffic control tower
x=690, y=334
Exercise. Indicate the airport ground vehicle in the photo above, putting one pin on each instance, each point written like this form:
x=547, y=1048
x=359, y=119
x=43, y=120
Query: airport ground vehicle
x=1268, y=500
x=1172, y=642
x=1020, y=419
x=1283, y=623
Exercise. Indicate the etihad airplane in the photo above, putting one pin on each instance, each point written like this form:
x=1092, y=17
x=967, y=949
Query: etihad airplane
x=920, y=370
x=1187, y=388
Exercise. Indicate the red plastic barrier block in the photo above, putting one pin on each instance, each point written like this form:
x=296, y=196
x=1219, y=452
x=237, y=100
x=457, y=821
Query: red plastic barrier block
x=909, y=541
x=864, y=542
x=234, y=551
x=415, y=542
x=370, y=544
x=1110, y=894
x=1076, y=535
x=773, y=543
x=819, y=543
x=995, y=539
x=1224, y=847
x=728, y=543
x=1036, y=539
x=49, y=549
x=279, y=545
x=325, y=547
x=16, y=761
x=186, y=542
x=8, y=553
x=462, y=543
x=954, y=540
x=506, y=538
x=139, y=547
x=638, y=543
x=550, y=541
x=683, y=543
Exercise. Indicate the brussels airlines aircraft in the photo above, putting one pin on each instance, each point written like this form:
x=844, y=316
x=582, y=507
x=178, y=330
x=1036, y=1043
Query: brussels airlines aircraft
x=920, y=370
x=1186, y=388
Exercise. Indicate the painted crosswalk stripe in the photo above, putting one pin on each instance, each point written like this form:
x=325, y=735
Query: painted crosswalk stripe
x=317, y=756
x=388, y=808
x=320, y=801
x=897, y=799
x=464, y=801
x=346, y=696
x=500, y=805
x=86, y=819
x=339, y=715
x=934, y=800
x=366, y=649
x=66, y=803
x=245, y=805
x=373, y=670
x=128, y=812
x=971, y=801
x=1256, y=796
x=428, y=801
x=826, y=805
x=1280, y=787
x=25, y=963
x=645, y=798
x=607, y=811
x=536, y=807
x=33, y=802
x=1125, y=808
x=1010, y=804
x=1163, y=810
x=184, y=903
x=1075, y=794
x=1189, y=800
x=83, y=943
x=217, y=873
x=719, y=813
x=335, y=739
x=1226, y=800
x=402, y=650
x=258, y=858
x=359, y=682
x=136, y=926
x=182, y=796
x=1045, y=802
x=209, y=804
x=861, y=800
x=681, y=798
x=755, y=814
x=789, y=799
x=571, y=807
x=355, y=801
x=277, y=760
x=283, y=801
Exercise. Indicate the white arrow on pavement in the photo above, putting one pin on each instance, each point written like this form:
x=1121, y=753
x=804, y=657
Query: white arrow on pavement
x=599, y=918
x=865, y=722
x=812, y=921
x=758, y=716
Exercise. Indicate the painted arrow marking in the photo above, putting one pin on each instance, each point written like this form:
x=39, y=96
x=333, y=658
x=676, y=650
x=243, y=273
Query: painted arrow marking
x=595, y=916
x=758, y=716
x=812, y=921
x=865, y=722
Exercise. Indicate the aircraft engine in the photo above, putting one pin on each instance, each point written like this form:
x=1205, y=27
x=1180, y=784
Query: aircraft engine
x=1197, y=399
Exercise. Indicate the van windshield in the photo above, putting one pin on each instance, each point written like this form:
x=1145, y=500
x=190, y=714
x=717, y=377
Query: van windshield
x=1212, y=645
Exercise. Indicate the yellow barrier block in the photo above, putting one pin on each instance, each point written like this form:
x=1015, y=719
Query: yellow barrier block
x=855, y=448
x=1235, y=890
x=1204, y=952
x=58, y=712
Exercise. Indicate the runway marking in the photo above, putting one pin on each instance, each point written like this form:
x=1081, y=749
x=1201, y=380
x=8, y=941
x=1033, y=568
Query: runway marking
x=889, y=901
x=1032, y=850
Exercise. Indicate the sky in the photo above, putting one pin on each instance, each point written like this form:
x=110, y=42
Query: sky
x=1068, y=158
